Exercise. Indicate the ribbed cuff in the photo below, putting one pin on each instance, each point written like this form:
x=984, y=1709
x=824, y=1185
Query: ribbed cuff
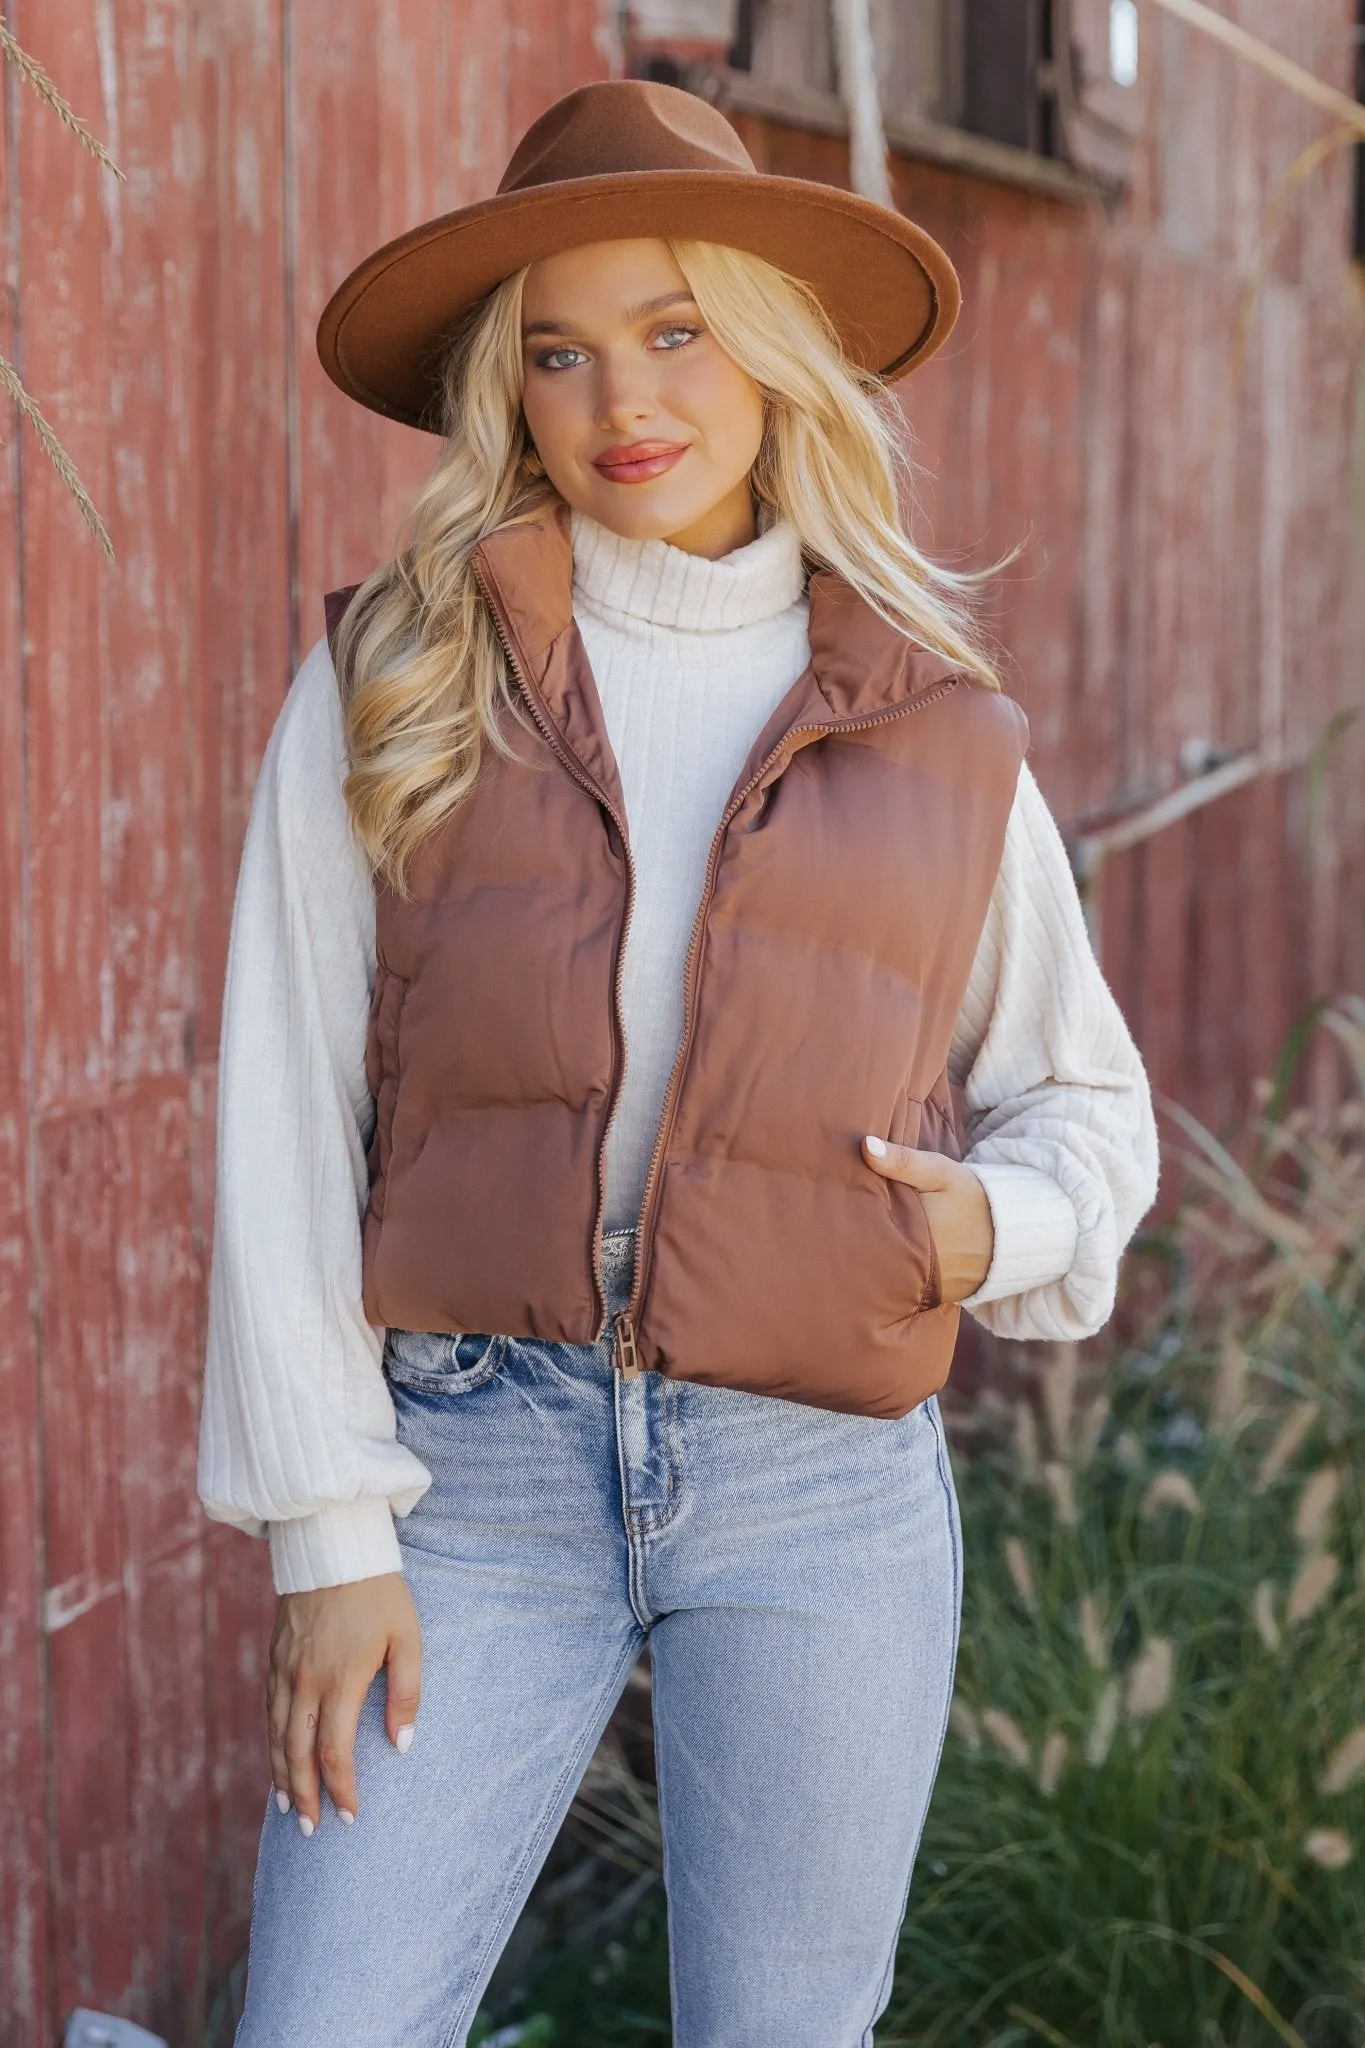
x=1035, y=1231
x=350, y=1539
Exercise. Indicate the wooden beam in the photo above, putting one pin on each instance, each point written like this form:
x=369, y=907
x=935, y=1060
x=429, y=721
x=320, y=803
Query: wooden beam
x=1241, y=40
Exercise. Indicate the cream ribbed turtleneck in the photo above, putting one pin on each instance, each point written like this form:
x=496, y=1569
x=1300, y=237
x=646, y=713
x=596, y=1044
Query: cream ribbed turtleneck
x=297, y=1433
x=690, y=657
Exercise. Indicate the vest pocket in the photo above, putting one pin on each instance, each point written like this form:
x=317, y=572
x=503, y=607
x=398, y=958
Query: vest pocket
x=915, y=1122
x=441, y=1362
x=933, y=1286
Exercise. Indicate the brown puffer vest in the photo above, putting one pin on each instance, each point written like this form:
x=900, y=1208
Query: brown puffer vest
x=846, y=889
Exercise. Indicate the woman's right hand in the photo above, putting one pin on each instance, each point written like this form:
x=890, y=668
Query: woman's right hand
x=326, y=1648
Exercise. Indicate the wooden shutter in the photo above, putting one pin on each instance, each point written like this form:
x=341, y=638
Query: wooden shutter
x=918, y=58
x=684, y=21
x=792, y=44
x=1094, y=91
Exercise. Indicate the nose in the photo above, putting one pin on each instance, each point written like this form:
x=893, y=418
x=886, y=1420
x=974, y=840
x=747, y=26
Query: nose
x=624, y=394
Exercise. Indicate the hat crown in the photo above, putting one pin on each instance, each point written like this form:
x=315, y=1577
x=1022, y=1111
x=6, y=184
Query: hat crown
x=624, y=124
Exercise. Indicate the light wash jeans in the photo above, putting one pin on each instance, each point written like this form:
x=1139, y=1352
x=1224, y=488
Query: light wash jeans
x=797, y=1574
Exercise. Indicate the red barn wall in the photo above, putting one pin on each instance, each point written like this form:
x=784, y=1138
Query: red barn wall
x=1179, y=585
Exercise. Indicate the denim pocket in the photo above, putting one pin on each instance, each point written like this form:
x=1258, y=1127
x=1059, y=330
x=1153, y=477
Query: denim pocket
x=441, y=1362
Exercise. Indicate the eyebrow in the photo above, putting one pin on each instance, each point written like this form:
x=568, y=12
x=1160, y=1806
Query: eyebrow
x=633, y=313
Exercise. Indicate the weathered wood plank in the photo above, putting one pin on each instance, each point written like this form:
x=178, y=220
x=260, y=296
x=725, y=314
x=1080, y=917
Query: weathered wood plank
x=83, y=1602
x=1217, y=1076
x=24, y=2019
x=1166, y=963
x=156, y=1389
x=66, y=579
x=1099, y=693
x=339, y=474
x=237, y=442
x=148, y=653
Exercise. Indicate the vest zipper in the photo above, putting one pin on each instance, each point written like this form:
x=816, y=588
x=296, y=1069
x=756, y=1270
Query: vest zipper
x=580, y=775
x=628, y=1319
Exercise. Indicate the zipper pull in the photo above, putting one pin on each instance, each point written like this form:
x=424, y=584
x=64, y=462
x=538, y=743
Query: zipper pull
x=626, y=1357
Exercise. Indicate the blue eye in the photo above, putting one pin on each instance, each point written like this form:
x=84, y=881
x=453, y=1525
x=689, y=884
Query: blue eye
x=547, y=360
x=690, y=332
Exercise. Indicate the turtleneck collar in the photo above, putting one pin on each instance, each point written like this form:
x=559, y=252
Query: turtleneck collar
x=654, y=581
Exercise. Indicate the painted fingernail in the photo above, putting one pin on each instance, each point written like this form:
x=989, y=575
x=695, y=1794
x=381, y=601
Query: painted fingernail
x=281, y=1800
x=343, y=1813
x=305, y=1825
x=403, y=1739
x=877, y=1147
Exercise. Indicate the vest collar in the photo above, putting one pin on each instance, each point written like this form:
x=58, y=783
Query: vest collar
x=859, y=665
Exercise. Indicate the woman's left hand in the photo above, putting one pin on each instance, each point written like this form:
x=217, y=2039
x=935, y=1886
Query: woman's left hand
x=956, y=1205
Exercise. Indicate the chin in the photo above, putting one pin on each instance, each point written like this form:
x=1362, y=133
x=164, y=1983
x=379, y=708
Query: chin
x=637, y=513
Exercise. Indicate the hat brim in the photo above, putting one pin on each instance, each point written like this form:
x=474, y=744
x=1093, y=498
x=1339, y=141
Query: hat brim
x=889, y=288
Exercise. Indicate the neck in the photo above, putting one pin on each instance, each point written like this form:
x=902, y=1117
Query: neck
x=730, y=524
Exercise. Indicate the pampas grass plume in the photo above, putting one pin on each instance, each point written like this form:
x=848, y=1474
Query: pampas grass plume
x=1026, y=1441
x=1059, y=1395
x=1063, y=1493
x=1285, y=1442
x=1329, y=1848
x=1151, y=1680
x=1263, y=1614
x=1229, y=1389
x=1093, y=1633
x=965, y=1724
x=1052, y=1763
x=1021, y=1571
x=1092, y=1429
x=1316, y=1502
x=1346, y=1762
x=1006, y=1734
x=1311, y=1586
x=1170, y=1490
x=1103, y=1723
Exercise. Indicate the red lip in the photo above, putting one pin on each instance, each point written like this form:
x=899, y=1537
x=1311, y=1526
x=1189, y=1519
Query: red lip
x=638, y=461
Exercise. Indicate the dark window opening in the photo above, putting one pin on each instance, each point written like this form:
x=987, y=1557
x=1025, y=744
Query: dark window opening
x=740, y=54
x=1005, y=42
x=664, y=70
x=1048, y=139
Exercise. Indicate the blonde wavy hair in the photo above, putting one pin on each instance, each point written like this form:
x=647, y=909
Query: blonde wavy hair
x=425, y=684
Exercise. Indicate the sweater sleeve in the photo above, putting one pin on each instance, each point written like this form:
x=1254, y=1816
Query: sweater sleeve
x=297, y=1433
x=1057, y=1106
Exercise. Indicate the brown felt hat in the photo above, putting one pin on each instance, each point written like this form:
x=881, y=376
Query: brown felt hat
x=609, y=161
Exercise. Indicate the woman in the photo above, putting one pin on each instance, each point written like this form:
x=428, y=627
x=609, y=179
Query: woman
x=623, y=951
